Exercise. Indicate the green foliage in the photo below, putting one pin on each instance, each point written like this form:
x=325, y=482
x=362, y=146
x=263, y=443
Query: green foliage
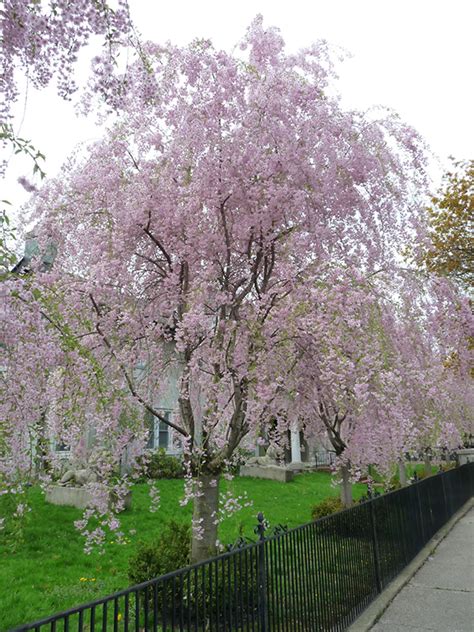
x=170, y=551
x=7, y=234
x=162, y=465
x=22, y=146
x=445, y=467
x=326, y=508
x=213, y=590
x=452, y=224
x=420, y=474
x=393, y=483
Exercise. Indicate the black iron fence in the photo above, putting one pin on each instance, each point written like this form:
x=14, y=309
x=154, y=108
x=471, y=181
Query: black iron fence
x=319, y=576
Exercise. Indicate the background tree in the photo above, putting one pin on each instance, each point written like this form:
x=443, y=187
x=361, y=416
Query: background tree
x=188, y=237
x=451, y=252
x=369, y=370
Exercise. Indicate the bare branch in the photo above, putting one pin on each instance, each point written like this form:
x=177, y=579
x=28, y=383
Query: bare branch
x=157, y=243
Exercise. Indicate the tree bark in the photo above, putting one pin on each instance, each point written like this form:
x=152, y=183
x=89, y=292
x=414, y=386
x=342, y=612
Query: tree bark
x=205, y=518
x=402, y=473
x=346, y=486
x=427, y=462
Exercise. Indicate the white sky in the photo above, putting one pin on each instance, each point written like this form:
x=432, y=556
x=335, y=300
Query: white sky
x=415, y=56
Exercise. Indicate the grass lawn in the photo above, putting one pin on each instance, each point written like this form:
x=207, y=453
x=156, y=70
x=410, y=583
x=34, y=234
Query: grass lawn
x=49, y=571
x=44, y=575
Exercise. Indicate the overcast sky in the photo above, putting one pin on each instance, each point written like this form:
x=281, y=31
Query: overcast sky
x=415, y=56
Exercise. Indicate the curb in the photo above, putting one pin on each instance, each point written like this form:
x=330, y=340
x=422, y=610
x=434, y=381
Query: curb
x=374, y=611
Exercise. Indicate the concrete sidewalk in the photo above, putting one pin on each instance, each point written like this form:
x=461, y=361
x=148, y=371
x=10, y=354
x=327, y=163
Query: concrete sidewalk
x=440, y=596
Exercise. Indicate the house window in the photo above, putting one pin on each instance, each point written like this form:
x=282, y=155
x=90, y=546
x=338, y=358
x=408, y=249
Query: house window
x=158, y=431
x=164, y=431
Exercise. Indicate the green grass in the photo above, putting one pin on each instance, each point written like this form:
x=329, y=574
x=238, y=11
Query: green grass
x=44, y=574
x=410, y=468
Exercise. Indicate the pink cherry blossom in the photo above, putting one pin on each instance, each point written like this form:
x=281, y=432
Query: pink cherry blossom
x=238, y=230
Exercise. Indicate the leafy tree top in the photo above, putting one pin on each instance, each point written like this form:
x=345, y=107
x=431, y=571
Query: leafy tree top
x=452, y=226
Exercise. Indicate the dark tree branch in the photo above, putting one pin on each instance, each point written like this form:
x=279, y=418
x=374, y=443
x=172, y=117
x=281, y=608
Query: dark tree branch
x=127, y=377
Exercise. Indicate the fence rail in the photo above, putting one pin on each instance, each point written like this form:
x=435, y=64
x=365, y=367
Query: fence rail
x=319, y=576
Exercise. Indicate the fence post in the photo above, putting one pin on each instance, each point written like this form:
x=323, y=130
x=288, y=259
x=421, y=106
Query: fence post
x=420, y=512
x=262, y=575
x=447, y=511
x=375, y=546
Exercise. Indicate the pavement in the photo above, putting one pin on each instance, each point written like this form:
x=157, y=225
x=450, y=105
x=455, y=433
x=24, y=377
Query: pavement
x=440, y=596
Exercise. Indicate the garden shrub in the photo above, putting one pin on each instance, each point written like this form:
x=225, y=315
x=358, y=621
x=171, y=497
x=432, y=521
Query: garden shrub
x=326, y=508
x=167, y=553
x=162, y=465
x=170, y=551
x=393, y=483
x=419, y=475
x=185, y=596
x=445, y=467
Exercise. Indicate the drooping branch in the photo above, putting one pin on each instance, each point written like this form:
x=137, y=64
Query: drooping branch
x=228, y=244
x=154, y=262
x=159, y=245
x=127, y=377
x=334, y=431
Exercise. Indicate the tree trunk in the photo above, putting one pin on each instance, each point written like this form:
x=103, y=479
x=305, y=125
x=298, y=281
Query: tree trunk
x=205, y=518
x=346, y=486
x=427, y=462
x=402, y=473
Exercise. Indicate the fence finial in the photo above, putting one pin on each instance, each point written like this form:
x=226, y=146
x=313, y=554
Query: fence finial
x=260, y=528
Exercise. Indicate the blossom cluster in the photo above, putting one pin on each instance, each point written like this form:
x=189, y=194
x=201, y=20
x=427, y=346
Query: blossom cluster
x=44, y=38
x=230, y=505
